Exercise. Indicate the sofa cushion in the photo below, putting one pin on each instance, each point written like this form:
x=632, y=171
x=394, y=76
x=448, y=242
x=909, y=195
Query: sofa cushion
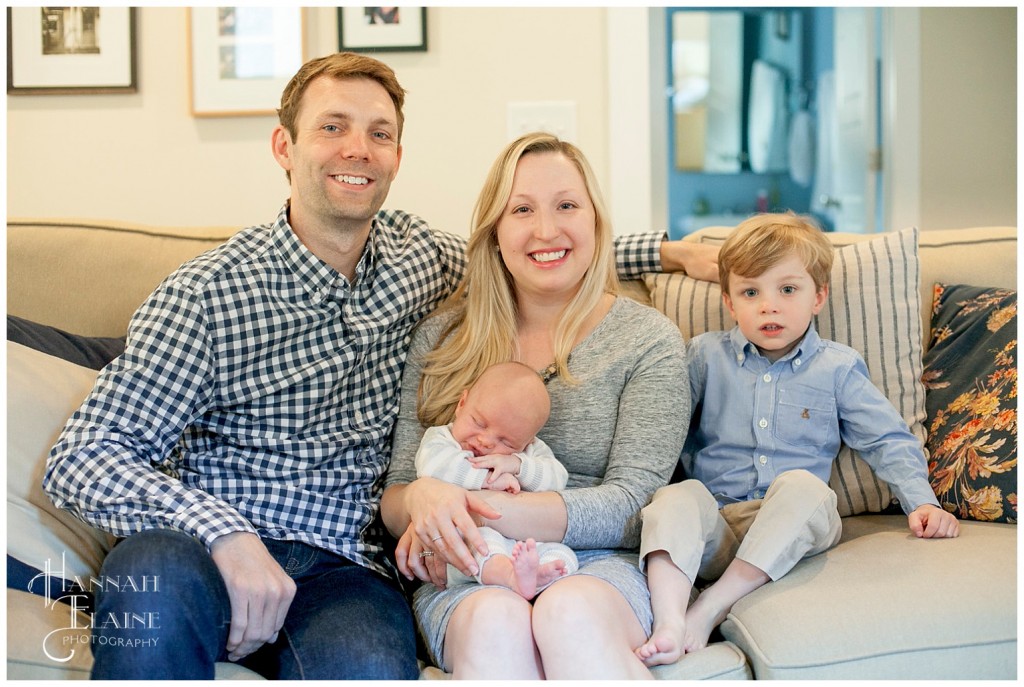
x=970, y=371
x=719, y=661
x=979, y=255
x=832, y=617
x=46, y=640
x=92, y=352
x=873, y=306
x=99, y=274
x=42, y=392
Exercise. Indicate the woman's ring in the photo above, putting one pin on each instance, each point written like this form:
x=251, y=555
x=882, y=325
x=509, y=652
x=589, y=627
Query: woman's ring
x=424, y=554
x=440, y=536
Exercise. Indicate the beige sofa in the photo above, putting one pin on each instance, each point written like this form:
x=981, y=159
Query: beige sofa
x=881, y=604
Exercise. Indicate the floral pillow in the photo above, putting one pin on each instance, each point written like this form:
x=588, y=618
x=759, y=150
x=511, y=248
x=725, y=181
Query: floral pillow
x=970, y=373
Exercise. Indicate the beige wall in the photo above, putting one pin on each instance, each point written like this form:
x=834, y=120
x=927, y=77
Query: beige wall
x=968, y=116
x=144, y=158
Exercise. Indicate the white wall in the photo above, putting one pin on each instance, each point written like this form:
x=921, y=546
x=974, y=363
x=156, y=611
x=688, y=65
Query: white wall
x=968, y=165
x=144, y=158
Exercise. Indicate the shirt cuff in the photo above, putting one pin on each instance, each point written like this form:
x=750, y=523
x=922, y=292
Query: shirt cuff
x=637, y=254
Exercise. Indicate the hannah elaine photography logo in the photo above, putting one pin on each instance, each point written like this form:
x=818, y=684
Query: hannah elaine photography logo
x=59, y=587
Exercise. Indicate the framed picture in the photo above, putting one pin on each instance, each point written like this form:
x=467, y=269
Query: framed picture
x=67, y=50
x=382, y=29
x=241, y=58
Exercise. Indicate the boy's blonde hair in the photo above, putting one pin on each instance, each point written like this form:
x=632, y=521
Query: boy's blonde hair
x=758, y=243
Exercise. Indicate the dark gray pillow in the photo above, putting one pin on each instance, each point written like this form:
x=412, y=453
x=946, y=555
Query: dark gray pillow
x=93, y=352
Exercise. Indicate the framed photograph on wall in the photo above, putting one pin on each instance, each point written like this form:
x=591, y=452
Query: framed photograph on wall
x=241, y=58
x=382, y=29
x=68, y=50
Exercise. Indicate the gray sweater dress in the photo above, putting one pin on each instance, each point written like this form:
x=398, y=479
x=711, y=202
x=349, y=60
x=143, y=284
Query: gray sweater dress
x=618, y=431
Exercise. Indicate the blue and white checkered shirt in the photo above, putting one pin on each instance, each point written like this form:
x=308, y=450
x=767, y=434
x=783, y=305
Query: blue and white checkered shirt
x=267, y=384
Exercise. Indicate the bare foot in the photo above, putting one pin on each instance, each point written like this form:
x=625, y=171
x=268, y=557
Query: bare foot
x=522, y=572
x=664, y=647
x=525, y=568
x=549, y=572
x=702, y=618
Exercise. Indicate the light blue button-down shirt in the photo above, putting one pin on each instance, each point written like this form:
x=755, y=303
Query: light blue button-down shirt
x=756, y=419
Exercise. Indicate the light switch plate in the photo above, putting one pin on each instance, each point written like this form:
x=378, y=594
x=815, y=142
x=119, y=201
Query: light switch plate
x=556, y=117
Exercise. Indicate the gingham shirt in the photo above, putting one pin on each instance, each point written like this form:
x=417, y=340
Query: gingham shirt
x=268, y=384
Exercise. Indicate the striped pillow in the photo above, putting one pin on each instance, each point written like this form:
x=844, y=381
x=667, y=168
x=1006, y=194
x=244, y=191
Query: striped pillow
x=874, y=307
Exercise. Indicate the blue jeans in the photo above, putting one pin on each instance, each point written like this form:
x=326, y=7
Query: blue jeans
x=163, y=612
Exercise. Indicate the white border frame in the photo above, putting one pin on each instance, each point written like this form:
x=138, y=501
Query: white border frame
x=210, y=95
x=112, y=70
x=355, y=35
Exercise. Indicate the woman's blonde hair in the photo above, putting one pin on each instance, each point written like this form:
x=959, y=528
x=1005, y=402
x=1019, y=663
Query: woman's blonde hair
x=484, y=322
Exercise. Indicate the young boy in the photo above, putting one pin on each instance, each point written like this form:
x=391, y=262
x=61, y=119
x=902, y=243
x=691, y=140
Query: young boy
x=772, y=401
x=492, y=444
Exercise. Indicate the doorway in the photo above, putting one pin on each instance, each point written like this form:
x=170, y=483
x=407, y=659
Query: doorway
x=789, y=146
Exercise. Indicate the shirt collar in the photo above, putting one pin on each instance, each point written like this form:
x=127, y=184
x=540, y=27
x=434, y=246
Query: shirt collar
x=808, y=346
x=318, y=278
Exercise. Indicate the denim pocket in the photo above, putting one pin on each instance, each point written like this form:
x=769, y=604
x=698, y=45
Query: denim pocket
x=295, y=557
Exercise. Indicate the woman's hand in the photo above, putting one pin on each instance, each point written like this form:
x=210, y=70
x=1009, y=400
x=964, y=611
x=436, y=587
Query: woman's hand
x=441, y=519
x=428, y=567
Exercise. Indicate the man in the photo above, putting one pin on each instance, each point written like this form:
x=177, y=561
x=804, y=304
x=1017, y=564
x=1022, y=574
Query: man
x=239, y=442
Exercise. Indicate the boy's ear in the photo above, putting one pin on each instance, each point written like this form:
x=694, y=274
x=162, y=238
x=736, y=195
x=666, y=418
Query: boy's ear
x=819, y=299
x=728, y=304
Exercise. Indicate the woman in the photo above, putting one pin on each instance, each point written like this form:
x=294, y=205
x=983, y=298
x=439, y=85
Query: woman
x=541, y=288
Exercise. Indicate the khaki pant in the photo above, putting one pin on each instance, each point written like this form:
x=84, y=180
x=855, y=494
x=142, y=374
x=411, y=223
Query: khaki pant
x=796, y=518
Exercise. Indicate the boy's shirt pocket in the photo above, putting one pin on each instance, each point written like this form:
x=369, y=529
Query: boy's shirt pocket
x=806, y=416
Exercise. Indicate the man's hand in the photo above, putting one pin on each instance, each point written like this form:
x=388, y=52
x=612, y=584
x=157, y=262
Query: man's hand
x=697, y=260
x=260, y=591
x=930, y=522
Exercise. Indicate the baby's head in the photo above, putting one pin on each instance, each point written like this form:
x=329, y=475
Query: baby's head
x=502, y=411
x=762, y=241
x=774, y=270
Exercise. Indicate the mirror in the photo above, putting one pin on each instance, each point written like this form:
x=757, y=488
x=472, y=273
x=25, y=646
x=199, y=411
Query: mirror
x=707, y=90
x=734, y=73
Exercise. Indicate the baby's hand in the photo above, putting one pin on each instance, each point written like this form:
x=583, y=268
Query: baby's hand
x=930, y=522
x=503, y=482
x=498, y=464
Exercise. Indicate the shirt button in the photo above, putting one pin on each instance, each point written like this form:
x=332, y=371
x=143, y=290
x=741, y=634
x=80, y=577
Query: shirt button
x=797, y=362
x=767, y=377
x=762, y=423
x=763, y=460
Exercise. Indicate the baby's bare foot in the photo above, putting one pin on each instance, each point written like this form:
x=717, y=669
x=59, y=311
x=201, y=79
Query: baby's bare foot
x=525, y=566
x=549, y=572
